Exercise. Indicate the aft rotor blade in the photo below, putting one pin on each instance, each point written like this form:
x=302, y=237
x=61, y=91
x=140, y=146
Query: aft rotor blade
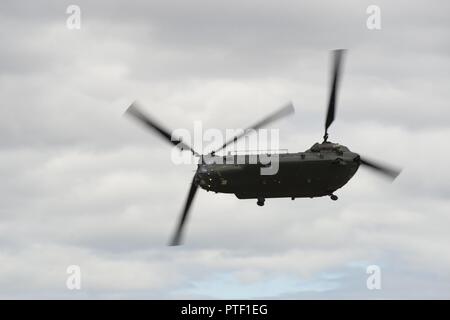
x=134, y=111
x=286, y=110
x=383, y=169
x=176, y=240
x=337, y=59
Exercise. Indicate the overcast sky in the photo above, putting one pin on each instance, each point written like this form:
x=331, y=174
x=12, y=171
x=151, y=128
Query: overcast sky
x=83, y=185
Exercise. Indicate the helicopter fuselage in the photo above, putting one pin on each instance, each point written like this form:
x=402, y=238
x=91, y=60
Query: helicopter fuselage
x=319, y=171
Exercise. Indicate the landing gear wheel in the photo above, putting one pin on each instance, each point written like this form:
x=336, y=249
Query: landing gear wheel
x=260, y=202
x=333, y=197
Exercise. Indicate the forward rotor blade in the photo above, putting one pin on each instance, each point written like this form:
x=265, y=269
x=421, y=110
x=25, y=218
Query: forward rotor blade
x=286, y=110
x=135, y=112
x=176, y=240
x=387, y=171
x=337, y=58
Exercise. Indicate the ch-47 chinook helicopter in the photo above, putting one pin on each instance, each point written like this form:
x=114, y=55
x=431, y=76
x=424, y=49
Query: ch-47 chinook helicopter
x=316, y=172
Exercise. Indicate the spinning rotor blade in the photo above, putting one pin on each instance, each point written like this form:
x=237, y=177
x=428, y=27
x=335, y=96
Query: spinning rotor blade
x=388, y=172
x=282, y=112
x=176, y=240
x=337, y=58
x=134, y=111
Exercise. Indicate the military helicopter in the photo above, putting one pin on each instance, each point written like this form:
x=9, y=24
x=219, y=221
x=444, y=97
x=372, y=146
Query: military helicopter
x=316, y=172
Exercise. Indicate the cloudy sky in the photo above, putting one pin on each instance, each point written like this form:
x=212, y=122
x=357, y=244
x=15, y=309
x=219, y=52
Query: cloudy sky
x=83, y=185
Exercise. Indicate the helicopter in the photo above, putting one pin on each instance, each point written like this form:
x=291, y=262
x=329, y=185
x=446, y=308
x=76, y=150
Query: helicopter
x=316, y=172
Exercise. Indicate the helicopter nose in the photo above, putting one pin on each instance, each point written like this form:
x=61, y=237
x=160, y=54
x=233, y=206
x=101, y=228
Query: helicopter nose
x=205, y=176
